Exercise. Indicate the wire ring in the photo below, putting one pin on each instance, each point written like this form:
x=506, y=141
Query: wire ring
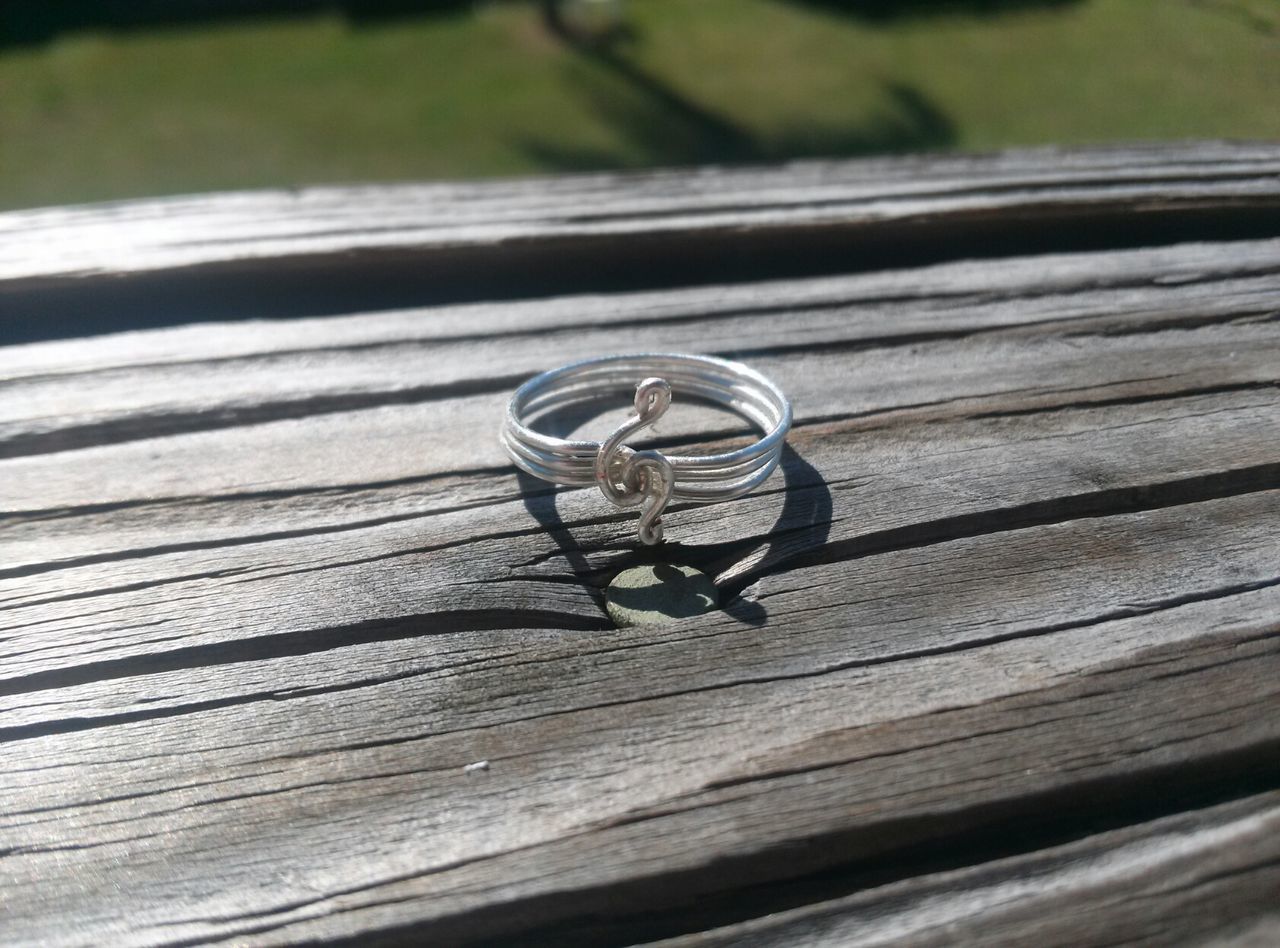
x=649, y=479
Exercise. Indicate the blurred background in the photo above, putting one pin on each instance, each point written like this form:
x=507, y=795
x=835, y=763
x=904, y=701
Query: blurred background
x=122, y=98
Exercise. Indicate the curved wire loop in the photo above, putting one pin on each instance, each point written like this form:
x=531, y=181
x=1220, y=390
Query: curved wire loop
x=638, y=477
x=649, y=479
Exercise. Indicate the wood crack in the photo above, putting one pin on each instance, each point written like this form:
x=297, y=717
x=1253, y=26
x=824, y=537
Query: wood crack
x=116, y=556
x=835, y=864
x=1103, y=503
x=35, y=514
x=165, y=424
x=293, y=644
x=959, y=298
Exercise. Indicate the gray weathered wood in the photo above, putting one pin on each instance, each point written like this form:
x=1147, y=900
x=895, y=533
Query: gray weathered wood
x=1173, y=880
x=333, y=251
x=998, y=658
x=129, y=237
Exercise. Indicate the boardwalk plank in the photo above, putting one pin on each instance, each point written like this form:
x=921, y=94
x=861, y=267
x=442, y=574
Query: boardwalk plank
x=288, y=652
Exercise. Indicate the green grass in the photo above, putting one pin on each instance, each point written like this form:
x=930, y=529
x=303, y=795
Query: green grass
x=92, y=113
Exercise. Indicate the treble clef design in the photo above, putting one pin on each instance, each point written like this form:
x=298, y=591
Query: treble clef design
x=629, y=478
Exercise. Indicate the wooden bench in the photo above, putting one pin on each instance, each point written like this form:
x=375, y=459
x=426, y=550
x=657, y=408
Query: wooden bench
x=290, y=653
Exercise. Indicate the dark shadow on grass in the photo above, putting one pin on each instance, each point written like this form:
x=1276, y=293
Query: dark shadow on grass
x=24, y=22
x=881, y=11
x=30, y=22
x=1264, y=24
x=662, y=125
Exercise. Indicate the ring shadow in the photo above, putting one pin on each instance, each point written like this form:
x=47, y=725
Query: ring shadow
x=803, y=524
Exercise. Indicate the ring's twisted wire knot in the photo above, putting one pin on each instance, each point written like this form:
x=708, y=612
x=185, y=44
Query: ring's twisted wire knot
x=628, y=477
x=649, y=479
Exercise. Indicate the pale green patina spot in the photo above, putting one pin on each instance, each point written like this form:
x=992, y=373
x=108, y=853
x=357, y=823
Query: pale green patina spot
x=655, y=593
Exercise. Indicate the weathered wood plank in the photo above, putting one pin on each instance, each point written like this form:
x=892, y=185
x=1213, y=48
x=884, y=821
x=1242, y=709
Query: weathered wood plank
x=330, y=251
x=888, y=485
x=641, y=760
x=422, y=358
x=195, y=545
x=266, y=592
x=184, y=232
x=886, y=305
x=1169, y=881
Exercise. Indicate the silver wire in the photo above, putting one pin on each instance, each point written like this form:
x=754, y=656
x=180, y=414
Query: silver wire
x=633, y=478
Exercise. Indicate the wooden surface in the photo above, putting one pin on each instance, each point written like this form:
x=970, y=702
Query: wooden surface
x=290, y=653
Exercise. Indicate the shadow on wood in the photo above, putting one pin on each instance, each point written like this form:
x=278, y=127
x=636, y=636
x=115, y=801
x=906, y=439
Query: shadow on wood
x=803, y=525
x=286, y=659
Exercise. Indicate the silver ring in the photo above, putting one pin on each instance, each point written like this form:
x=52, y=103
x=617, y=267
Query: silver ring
x=649, y=479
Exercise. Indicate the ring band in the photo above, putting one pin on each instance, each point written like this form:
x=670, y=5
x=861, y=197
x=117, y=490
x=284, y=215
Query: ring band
x=649, y=479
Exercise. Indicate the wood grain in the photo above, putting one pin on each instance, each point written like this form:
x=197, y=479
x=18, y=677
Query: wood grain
x=1000, y=655
x=339, y=250
x=1175, y=879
